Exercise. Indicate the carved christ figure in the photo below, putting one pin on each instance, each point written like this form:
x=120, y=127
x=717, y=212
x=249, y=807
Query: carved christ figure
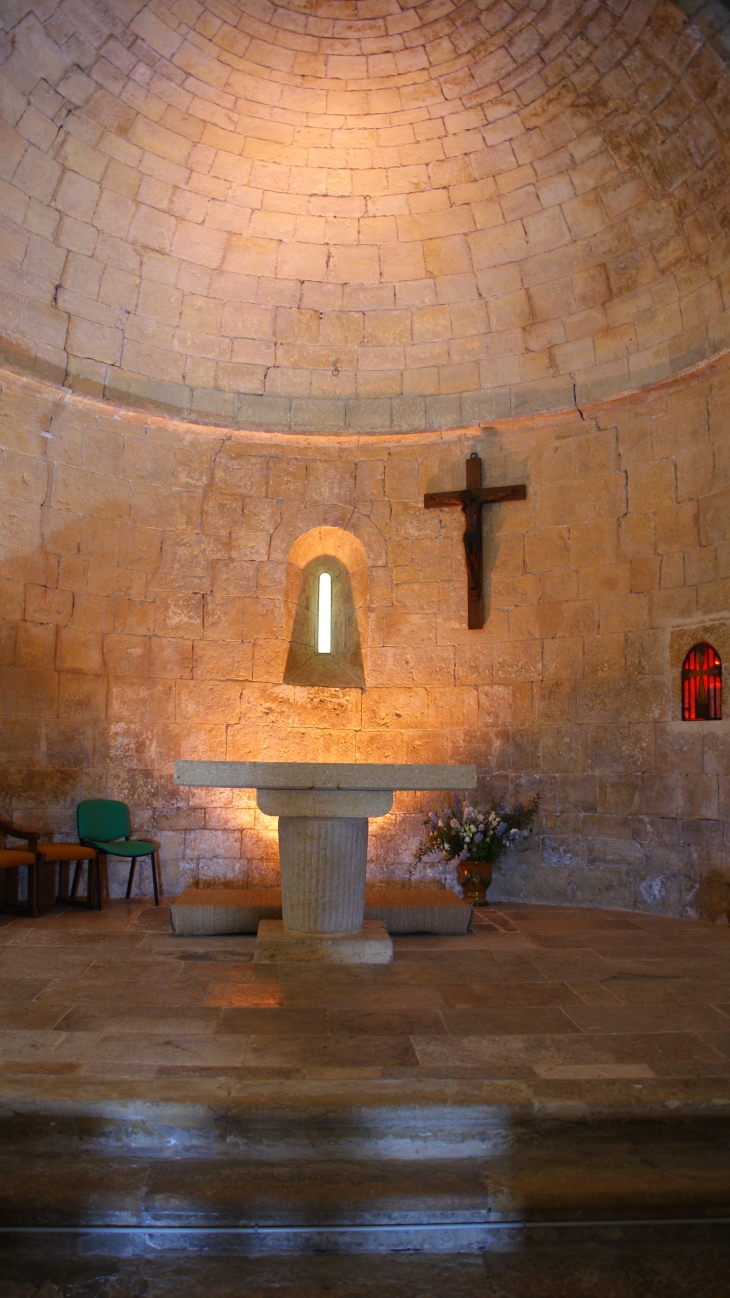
x=472, y=501
x=473, y=548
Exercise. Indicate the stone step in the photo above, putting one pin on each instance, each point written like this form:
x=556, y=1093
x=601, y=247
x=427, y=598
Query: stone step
x=623, y=1262
x=309, y=1164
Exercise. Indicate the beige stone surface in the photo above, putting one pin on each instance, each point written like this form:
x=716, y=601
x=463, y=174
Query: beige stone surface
x=215, y=911
x=301, y=1093
x=323, y=864
x=147, y=605
x=278, y=944
x=348, y=776
x=323, y=802
x=387, y=219
x=111, y=1010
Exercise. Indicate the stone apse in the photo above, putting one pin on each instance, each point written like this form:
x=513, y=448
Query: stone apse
x=270, y=274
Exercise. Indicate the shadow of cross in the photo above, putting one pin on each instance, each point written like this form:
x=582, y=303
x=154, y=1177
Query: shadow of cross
x=472, y=501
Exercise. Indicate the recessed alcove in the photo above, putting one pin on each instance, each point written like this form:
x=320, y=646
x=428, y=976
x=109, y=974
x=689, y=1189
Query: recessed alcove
x=326, y=551
x=264, y=289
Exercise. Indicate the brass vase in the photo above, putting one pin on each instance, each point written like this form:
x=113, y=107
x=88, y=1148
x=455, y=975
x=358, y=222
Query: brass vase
x=475, y=877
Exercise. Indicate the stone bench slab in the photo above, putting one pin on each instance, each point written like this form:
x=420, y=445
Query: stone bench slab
x=209, y=912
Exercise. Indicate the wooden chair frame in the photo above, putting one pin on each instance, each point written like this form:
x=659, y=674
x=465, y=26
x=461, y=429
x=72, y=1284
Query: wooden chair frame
x=64, y=897
x=31, y=837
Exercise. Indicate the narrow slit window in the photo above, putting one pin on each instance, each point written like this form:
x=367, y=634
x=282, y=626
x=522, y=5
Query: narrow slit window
x=702, y=684
x=324, y=614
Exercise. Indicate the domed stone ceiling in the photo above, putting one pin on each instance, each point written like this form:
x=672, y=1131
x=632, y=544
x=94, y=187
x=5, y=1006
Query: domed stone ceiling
x=362, y=214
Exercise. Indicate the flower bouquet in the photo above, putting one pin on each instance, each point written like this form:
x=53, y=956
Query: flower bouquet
x=475, y=840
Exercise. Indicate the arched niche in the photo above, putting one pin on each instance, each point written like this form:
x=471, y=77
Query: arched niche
x=702, y=684
x=332, y=550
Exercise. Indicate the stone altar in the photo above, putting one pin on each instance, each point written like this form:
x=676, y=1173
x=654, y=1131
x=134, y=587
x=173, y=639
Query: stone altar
x=323, y=811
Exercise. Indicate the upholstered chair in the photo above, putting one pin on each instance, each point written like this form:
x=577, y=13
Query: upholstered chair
x=10, y=859
x=105, y=825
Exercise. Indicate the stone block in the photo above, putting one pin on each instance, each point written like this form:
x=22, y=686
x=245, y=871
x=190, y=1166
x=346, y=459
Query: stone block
x=698, y=796
x=28, y=692
x=106, y=580
x=26, y=477
x=212, y=701
x=48, y=606
x=82, y=696
x=129, y=699
x=79, y=650
x=500, y=245
x=394, y=709
x=222, y=617
x=37, y=174
x=623, y=613
x=77, y=196
x=604, y=655
x=199, y=244
x=93, y=494
x=179, y=615
x=561, y=657
x=222, y=660
x=629, y=748
x=547, y=549
x=613, y=579
x=572, y=617
x=170, y=658
x=713, y=518
x=34, y=646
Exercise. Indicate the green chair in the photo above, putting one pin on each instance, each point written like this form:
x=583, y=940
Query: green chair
x=105, y=825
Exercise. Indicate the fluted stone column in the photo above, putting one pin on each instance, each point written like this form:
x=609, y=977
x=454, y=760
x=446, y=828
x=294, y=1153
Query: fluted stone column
x=323, y=848
x=323, y=864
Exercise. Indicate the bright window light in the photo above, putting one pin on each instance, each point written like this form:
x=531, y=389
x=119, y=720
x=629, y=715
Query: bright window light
x=324, y=614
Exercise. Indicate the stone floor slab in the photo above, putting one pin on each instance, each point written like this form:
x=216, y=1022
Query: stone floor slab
x=114, y=995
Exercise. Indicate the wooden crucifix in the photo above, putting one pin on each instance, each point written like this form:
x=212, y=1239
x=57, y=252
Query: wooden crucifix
x=472, y=500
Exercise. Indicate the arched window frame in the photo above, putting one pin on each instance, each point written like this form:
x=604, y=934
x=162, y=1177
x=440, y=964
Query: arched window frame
x=702, y=684
x=333, y=550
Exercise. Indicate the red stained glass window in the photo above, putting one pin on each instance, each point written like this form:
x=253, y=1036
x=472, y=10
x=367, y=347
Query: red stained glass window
x=702, y=684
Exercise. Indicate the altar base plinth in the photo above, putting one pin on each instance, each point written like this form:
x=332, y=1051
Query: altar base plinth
x=276, y=944
x=323, y=810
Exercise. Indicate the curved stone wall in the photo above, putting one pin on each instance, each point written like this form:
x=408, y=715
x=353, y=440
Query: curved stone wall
x=144, y=618
x=367, y=215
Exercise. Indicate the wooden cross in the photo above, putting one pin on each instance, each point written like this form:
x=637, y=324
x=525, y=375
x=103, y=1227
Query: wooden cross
x=472, y=500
